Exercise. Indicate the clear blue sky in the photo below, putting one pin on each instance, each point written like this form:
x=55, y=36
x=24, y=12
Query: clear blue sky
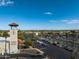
x=41, y=14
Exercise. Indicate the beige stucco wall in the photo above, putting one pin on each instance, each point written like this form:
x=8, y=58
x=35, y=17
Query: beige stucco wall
x=12, y=45
x=13, y=41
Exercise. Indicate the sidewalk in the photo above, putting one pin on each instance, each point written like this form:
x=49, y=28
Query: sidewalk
x=32, y=51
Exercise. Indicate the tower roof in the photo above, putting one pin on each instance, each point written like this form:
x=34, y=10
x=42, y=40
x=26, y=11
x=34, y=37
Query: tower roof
x=13, y=25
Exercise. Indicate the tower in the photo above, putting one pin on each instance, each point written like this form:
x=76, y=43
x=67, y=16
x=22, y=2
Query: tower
x=13, y=38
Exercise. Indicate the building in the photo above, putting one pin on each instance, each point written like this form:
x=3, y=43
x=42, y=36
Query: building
x=10, y=44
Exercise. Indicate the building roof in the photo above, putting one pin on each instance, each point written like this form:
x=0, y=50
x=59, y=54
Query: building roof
x=3, y=41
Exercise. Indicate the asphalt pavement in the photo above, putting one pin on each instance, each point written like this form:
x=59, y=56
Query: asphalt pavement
x=54, y=52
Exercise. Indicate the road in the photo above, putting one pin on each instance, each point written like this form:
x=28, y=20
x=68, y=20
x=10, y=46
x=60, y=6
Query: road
x=55, y=52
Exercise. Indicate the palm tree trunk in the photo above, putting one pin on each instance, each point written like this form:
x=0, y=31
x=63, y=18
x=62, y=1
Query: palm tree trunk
x=5, y=49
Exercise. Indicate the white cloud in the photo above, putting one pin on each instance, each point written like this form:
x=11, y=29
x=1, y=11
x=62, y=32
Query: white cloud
x=65, y=21
x=10, y=2
x=6, y=2
x=48, y=13
x=52, y=21
x=73, y=22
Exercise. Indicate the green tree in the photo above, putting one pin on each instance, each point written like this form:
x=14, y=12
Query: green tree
x=72, y=57
x=21, y=35
x=28, y=42
x=5, y=34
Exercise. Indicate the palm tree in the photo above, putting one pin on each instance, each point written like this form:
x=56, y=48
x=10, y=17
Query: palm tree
x=5, y=35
